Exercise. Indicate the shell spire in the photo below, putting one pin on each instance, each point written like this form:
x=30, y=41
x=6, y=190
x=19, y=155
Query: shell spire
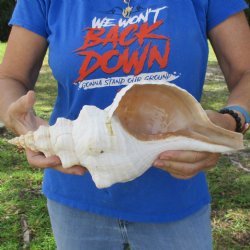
x=38, y=141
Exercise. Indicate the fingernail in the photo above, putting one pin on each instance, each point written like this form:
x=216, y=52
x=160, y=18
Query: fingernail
x=164, y=157
x=81, y=172
x=56, y=163
x=158, y=163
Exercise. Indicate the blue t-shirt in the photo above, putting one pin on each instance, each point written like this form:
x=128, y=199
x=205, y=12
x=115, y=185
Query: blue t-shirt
x=94, y=51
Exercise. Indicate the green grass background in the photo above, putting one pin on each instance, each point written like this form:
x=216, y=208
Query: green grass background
x=20, y=185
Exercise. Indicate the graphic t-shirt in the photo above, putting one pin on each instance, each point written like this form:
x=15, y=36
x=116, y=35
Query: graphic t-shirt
x=94, y=51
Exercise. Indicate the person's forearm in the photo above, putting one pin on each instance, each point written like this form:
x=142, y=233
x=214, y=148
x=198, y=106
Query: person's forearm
x=240, y=94
x=10, y=90
x=20, y=67
x=231, y=43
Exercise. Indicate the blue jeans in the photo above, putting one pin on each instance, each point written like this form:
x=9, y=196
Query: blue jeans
x=77, y=230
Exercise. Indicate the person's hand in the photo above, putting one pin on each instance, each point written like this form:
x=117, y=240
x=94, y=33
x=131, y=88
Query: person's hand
x=21, y=119
x=186, y=164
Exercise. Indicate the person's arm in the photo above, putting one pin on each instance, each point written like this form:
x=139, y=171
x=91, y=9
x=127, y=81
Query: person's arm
x=18, y=75
x=231, y=42
x=19, y=70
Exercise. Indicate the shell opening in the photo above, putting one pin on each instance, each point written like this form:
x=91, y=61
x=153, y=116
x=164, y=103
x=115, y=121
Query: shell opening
x=149, y=113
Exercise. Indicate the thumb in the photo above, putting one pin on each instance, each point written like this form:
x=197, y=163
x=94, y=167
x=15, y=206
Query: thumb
x=221, y=120
x=29, y=99
x=24, y=104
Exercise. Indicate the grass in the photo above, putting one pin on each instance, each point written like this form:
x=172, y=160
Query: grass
x=212, y=60
x=21, y=197
x=20, y=185
x=2, y=50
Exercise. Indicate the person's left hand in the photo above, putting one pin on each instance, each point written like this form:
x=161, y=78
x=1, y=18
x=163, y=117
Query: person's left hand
x=186, y=164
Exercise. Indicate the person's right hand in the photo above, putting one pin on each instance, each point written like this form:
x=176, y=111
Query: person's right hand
x=21, y=119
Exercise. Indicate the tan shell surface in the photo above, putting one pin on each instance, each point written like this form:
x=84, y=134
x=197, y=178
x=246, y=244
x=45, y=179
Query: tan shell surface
x=120, y=143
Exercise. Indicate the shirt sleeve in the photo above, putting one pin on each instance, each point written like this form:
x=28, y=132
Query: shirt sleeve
x=220, y=10
x=31, y=15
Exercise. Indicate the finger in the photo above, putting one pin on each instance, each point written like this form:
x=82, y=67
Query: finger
x=77, y=170
x=38, y=160
x=40, y=122
x=24, y=103
x=181, y=176
x=190, y=168
x=30, y=100
x=178, y=175
x=221, y=120
x=184, y=156
x=187, y=169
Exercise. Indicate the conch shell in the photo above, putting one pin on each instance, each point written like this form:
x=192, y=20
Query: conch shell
x=121, y=142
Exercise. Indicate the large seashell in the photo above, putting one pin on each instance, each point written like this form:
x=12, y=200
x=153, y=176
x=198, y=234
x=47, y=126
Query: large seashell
x=121, y=142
